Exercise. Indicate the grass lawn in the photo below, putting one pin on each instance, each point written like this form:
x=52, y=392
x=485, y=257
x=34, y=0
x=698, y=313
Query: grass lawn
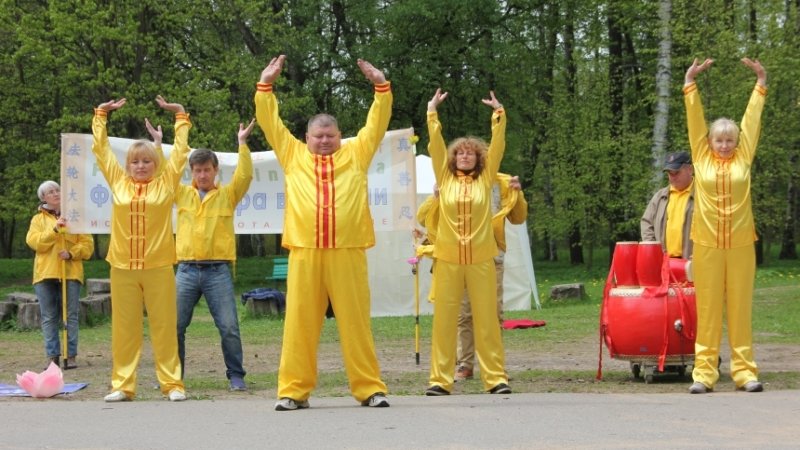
x=560, y=357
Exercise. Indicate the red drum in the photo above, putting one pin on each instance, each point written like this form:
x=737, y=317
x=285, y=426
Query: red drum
x=624, y=264
x=635, y=325
x=649, y=258
x=679, y=270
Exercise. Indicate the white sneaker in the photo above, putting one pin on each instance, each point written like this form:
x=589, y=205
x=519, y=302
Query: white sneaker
x=376, y=400
x=288, y=404
x=177, y=395
x=753, y=386
x=116, y=396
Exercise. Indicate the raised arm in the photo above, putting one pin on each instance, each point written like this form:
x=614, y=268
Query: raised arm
x=101, y=147
x=497, y=147
x=243, y=174
x=267, y=113
x=696, y=69
x=436, y=146
x=180, y=148
x=751, y=121
x=370, y=135
x=695, y=117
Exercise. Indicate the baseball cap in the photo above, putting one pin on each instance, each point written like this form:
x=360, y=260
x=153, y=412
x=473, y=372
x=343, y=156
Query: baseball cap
x=674, y=161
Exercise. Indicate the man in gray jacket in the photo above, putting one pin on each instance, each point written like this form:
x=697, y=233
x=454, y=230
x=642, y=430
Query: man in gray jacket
x=668, y=217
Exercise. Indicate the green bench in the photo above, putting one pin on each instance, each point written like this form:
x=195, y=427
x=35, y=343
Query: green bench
x=280, y=269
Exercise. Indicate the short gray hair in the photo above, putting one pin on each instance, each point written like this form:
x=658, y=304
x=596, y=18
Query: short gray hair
x=46, y=186
x=322, y=120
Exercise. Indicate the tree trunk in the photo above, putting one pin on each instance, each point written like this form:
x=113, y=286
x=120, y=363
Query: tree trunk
x=575, y=246
x=96, y=254
x=759, y=252
x=615, y=93
x=663, y=82
x=7, y=230
x=245, y=246
x=574, y=239
x=788, y=243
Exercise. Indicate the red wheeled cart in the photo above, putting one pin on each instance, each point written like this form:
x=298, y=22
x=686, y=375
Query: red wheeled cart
x=652, y=326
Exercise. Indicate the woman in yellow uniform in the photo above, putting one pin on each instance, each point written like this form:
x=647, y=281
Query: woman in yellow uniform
x=142, y=251
x=465, y=248
x=53, y=246
x=723, y=232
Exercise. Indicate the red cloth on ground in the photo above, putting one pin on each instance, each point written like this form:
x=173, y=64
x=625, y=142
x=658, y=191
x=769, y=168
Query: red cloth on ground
x=522, y=323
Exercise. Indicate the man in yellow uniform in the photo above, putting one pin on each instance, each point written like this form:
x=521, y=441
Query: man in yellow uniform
x=206, y=248
x=668, y=217
x=327, y=228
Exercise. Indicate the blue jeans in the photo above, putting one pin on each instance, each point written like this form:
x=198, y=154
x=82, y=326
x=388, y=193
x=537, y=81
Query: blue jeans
x=215, y=283
x=49, y=294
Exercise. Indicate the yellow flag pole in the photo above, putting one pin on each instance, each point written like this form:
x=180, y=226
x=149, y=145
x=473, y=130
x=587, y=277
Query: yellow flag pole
x=415, y=269
x=64, y=333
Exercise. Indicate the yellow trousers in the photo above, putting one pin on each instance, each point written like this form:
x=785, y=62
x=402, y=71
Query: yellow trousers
x=466, y=340
x=480, y=282
x=316, y=275
x=131, y=292
x=724, y=280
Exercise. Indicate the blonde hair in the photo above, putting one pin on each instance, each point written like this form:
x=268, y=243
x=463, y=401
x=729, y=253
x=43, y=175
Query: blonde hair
x=474, y=144
x=724, y=127
x=142, y=149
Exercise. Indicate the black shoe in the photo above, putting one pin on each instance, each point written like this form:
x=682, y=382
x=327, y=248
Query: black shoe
x=501, y=388
x=376, y=400
x=752, y=386
x=435, y=391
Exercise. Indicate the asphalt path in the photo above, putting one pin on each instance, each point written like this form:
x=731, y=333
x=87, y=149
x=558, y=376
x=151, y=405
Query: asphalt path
x=518, y=421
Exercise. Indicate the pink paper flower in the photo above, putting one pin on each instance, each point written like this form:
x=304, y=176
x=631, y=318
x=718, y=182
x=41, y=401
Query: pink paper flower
x=42, y=385
x=413, y=260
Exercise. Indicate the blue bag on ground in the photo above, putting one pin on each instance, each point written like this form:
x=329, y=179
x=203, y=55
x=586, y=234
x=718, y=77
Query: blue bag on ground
x=266, y=294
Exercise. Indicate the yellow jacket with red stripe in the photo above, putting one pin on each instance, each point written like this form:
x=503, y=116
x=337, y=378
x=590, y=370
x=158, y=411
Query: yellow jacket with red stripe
x=326, y=195
x=205, y=227
x=512, y=206
x=47, y=244
x=141, y=215
x=465, y=234
x=723, y=213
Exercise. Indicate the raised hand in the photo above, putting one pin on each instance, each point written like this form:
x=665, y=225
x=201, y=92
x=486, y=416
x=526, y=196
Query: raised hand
x=514, y=183
x=756, y=67
x=273, y=69
x=174, y=107
x=374, y=75
x=155, y=133
x=245, y=132
x=696, y=69
x=436, y=100
x=492, y=101
x=111, y=105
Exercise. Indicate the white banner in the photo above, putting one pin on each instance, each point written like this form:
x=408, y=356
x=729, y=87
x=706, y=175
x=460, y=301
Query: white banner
x=86, y=198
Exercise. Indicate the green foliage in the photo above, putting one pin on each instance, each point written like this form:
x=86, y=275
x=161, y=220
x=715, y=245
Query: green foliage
x=580, y=115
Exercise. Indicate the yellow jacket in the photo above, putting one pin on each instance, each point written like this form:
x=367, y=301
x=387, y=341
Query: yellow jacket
x=141, y=218
x=326, y=196
x=465, y=234
x=512, y=206
x=47, y=244
x=205, y=228
x=723, y=213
